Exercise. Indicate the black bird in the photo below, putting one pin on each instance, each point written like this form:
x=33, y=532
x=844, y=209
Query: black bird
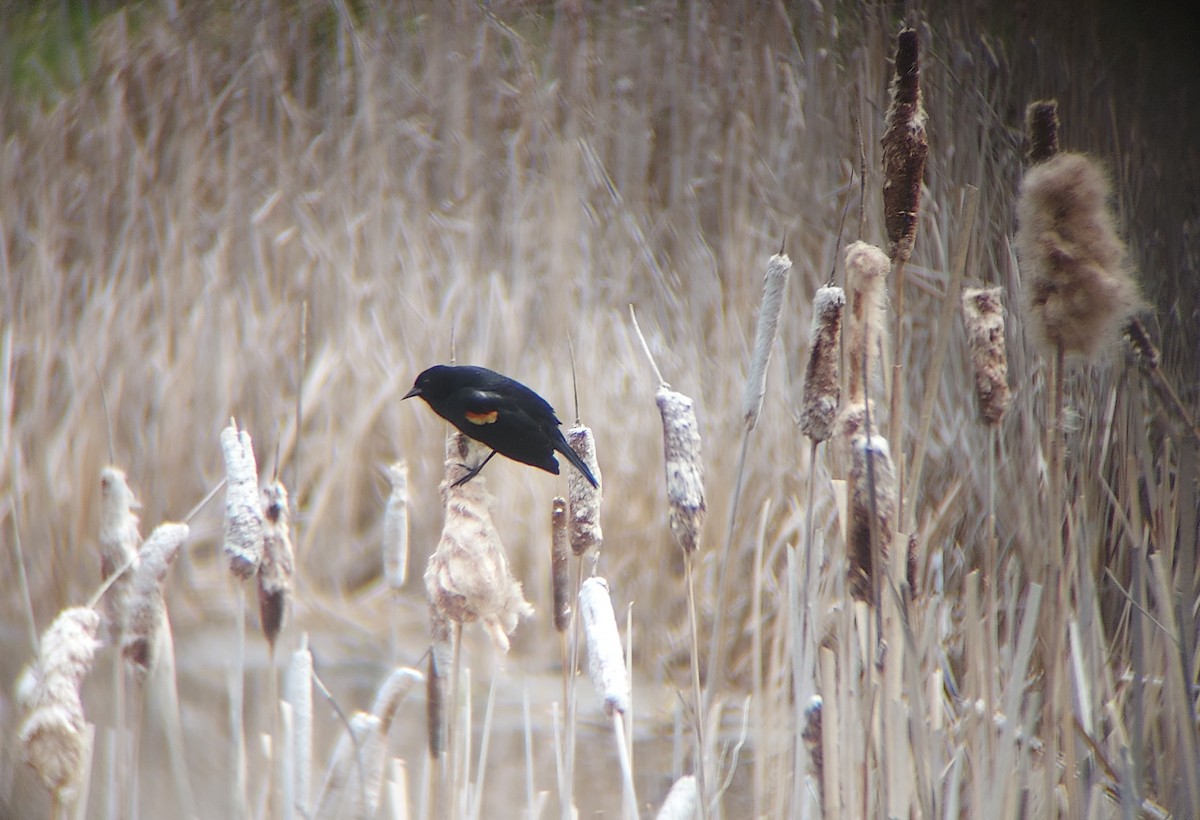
x=499, y=412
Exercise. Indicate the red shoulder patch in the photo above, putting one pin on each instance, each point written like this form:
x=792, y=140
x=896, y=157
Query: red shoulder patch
x=482, y=418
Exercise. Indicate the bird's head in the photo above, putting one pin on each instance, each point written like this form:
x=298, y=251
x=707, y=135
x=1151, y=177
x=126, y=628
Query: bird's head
x=432, y=384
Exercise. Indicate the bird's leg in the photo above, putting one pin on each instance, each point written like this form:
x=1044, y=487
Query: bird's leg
x=474, y=471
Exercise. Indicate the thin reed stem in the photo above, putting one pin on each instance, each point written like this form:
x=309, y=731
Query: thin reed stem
x=716, y=644
x=697, y=698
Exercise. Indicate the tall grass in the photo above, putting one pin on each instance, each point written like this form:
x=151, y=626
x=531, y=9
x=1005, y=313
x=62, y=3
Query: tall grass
x=512, y=174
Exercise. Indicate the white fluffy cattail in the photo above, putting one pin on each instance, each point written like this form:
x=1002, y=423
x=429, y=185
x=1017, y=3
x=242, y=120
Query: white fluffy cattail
x=355, y=777
x=119, y=539
x=606, y=662
x=774, y=284
x=299, y=688
x=983, y=315
x=866, y=283
x=53, y=734
x=822, y=388
x=146, y=616
x=681, y=802
x=585, y=531
x=278, y=563
x=243, y=515
x=684, y=466
x=467, y=577
x=395, y=527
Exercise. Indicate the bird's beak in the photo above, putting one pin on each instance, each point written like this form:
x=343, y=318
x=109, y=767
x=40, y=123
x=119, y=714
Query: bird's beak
x=416, y=391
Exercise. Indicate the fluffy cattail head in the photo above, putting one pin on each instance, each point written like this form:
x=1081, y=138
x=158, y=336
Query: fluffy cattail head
x=905, y=148
x=243, y=515
x=560, y=552
x=606, y=662
x=585, y=531
x=866, y=282
x=119, y=539
x=680, y=803
x=53, y=734
x=983, y=315
x=141, y=642
x=467, y=577
x=822, y=389
x=685, y=470
x=277, y=565
x=355, y=777
x=1079, y=291
x=872, y=515
x=395, y=527
x=1041, y=121
x=774, y=284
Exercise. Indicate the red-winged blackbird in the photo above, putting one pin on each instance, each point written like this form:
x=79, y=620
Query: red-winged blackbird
x=499, y=412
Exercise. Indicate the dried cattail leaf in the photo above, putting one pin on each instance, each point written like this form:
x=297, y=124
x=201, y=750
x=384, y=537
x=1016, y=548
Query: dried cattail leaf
x=983, y=315
x=681, y=801
x=864, y=509
x=467, y=577
x=560, y=551
x=53, y=737
x=585, y=531
x=141, y=642
x=1079, y=290
x=1041, y=121
x=606, y=662
x=774, y=284
x=822, y=387
x=277, y=565
x=813, y=742
x=299, y=687
x=905, y=148
x=119, y=540
x=684, y=466
x=395, y=527
x=355, y=777
x=866, y=284
x=243, y=516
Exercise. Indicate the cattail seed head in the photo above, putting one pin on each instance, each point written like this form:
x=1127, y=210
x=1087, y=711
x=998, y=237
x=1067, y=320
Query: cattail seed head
x=774, y=284
x=1078, y=289
x=983, y=315
x=392, y=692
x=881, y=509
x=141, y=641
x=822, y=388
x=53, y=737
x=606, y=661
x=355, y=777
x=1041, y=122
x=299, y=689
x=243, y=515
x=277, y=565
x=866, y=283
x=560, y=552
x=905, y=148
x=685, y=470
x=680, y=803
x=467, y=577
x=119, y=540
x=1144, y=350
x=585, y=531
x=395, y=527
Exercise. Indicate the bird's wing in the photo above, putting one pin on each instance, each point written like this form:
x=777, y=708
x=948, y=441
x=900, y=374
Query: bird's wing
x=483, y=406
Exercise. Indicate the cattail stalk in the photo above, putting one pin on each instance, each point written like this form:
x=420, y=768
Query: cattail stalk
x=53, y=734
x=243, y=515
x=585, y=531
x=395, y=527
x=277, y=565
x=146, y=617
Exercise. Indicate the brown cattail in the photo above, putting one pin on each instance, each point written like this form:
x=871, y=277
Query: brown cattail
x=585, y=532
x=983, y=315
x=822, y=389
x=147, y=616
x=395, y=527
x=685, y=470
x=905, y=148
x=560, y=551
x=606, y=662
x=866, y=510
x=866, y=282
x=681, y=800
x=774, y=284
x=53, y=734
x=119, y=540
x=1079, y=291
x=1041, y=121
x=275, y=569
x=467, y=577
x=355, y=777
x=243, y=515
x=814, y=743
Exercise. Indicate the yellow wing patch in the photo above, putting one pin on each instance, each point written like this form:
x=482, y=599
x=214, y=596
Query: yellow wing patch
x=482, y=418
